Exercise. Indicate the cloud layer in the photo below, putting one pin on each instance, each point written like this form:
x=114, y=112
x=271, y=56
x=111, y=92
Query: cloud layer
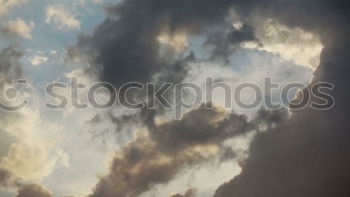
x=298, y=157
x=149, y=41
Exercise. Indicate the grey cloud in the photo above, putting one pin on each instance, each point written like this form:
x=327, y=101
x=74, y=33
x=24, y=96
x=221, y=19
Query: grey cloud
x=201, y=126
x=224, y=43
x=124, y=48
x=168, y=148
x=304, y=156
x=189, y=193
x=9, y=181
x=307, y=155
x=33, y=190
x=142, y=163
x=10, y=66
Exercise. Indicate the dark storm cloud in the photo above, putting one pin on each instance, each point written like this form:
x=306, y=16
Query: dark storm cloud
x=306, y=156
x=170, y=147
x=189, y=193
x=201, y=126
x=9, y=181
x=142, y=163
x=178, y=71
x=125, y=48
x=33, y=190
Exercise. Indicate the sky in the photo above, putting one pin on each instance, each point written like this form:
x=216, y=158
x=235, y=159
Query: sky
x=208, y=152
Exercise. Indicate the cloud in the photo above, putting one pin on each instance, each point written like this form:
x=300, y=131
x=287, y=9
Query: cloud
x=6, y=5
x=178, y=41
x=156, y=156
x=17, y=158
x=38, y=59
x=27, y=162
x=34, y=153
x=33, y=190
x=17, y=27
x=189, y=193
x=307, y=155
x=224, y=41
x=10, y=67
x=9, y=181
x=127, y=48
x=61, y=17
x=26, y=152
x=292, y=44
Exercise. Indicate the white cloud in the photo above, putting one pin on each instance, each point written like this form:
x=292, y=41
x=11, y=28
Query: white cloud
x=61, y=17
x=6, y=5
x=17, y=27
x=28, y=162
x=303, y=48
x=38, y=59
x=33, y=155
x=176, y=41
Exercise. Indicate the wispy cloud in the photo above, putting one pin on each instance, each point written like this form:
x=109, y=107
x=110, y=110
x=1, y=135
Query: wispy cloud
x=61, y=17
x=38, y=59
x=6, y=5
